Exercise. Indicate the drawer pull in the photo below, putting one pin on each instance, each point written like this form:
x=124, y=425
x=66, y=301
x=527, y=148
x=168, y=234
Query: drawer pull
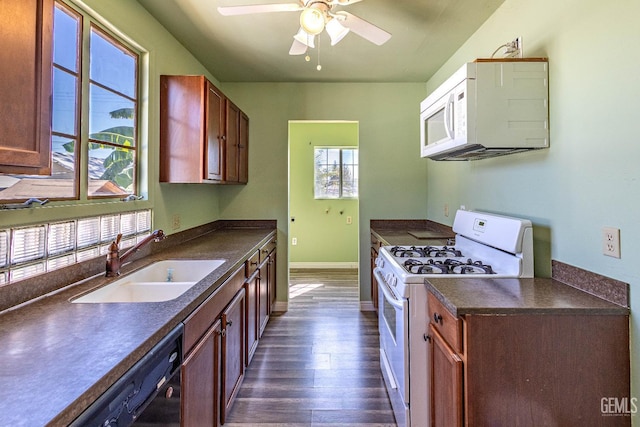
x=437, y=318
x=427, y=337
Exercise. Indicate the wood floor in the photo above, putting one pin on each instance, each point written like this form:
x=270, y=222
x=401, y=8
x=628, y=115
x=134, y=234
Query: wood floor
x=318, y=363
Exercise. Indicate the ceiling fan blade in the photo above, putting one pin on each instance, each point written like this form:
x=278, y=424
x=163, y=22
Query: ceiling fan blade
x=345, y=2
x=297, y=48
x=258, y=8
x=363, y=28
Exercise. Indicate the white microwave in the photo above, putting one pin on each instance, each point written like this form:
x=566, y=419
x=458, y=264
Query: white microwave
x=487, y=108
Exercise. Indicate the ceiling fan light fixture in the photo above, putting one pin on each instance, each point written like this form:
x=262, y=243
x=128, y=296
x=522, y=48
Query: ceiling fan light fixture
x=312, y=21
x=305, y=38
x=336, y=31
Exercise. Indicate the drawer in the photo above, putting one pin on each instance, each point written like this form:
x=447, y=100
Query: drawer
x=266, y=249
x=203, y=317
x=449, y=326
x=252, y=264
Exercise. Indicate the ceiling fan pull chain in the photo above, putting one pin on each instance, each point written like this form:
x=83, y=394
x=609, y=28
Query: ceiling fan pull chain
x=319, y=67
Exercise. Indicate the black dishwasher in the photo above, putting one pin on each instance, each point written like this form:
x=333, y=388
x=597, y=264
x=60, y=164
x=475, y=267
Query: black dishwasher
x=155, y=374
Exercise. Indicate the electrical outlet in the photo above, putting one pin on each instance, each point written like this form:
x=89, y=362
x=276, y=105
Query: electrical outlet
x=519, y=47
x=446, y=209
x=611, y=242
x=294, y=241
x=514, y=49
x=175, y=222
x=349, y=220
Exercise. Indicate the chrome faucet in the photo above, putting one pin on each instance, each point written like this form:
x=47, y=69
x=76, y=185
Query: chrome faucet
x=115, y=260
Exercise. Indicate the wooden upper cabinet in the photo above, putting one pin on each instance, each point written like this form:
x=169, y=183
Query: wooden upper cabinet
x=26, y=30
x=200, y=131
x=232, y=141
x=243, y=149
x=215, y=133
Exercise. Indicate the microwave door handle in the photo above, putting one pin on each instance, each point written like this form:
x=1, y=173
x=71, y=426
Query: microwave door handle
x=448, y=116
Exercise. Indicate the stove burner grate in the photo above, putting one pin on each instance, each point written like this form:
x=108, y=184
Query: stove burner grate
x=448, y=266
x=424, y=252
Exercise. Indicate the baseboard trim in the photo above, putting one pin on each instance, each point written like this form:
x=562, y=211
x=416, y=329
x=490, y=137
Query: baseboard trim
x=281, y=306
x=367, y=306
x=324, y=265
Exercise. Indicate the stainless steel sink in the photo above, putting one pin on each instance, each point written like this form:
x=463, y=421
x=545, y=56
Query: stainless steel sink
x=160, y=281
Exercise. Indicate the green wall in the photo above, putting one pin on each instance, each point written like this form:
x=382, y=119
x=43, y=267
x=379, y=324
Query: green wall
x=320, y=226
x=589, y=177
x=392, y=174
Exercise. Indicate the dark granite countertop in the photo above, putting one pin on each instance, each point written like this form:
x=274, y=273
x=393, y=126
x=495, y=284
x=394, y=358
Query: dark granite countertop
x=58, y=356
x=517, y=296
x=410, y=231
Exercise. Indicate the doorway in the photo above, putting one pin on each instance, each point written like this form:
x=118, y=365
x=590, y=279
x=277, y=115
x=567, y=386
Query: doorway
x=323, y=195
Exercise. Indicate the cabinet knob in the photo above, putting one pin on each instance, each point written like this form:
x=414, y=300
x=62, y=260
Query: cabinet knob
x=229, y=323
x=427, y=337
x=437, y=318
x=168, y=393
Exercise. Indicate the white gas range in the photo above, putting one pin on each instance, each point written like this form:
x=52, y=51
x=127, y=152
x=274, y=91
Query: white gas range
x=485, y=245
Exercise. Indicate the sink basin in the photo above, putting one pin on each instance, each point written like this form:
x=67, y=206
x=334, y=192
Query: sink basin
x=160, y=281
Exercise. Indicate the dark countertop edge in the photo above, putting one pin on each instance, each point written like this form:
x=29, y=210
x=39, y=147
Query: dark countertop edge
x=610, y=309
x=172, y=245
x=383, y=228
x=78, y=406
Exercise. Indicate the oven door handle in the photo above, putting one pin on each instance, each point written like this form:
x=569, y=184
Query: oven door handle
x=388, y=293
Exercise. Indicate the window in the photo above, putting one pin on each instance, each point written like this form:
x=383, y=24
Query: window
x=336, y=173
x=29, y=251
x=94, y=115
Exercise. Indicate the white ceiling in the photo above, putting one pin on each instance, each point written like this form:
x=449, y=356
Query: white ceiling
x=255, y=48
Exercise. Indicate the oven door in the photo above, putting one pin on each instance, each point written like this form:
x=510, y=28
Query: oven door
x=393, y=324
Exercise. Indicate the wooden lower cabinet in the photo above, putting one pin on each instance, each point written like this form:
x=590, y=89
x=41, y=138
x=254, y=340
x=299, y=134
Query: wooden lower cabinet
x=446, y=383
x=233, y=356
x=200, y=382
x=264, y=303
x=271, y=280
x=252, y=289
x=527, y=369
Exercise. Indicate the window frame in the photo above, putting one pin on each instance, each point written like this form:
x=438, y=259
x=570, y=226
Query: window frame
x=87, y=23
x=341, y=180
x=94, y=25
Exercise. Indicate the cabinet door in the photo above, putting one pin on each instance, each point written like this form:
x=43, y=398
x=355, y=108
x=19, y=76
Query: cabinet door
x=182, y=117
x=271, y=277
x=26, y=28
x=216, y=137
x=263, y=298
x=232, y=352
x=251, y=315
x=445, y=389
x=232, y=142
x=243, y=149
x=200, y=387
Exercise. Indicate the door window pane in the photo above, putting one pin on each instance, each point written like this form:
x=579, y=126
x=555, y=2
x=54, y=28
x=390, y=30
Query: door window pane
x=335, y=173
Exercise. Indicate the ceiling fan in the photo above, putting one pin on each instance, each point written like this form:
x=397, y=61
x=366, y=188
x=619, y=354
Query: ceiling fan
x=316, y=16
